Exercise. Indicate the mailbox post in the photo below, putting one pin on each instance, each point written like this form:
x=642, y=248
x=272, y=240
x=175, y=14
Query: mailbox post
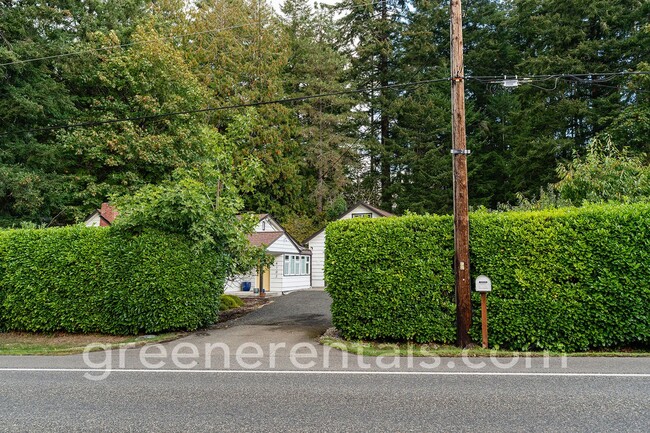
x=483, y=286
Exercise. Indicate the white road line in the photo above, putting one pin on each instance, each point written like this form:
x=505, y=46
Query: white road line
x=331, y=372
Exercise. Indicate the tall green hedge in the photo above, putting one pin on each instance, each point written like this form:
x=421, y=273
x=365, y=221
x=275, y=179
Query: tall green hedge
x=391, y=278
x=568, y=279
x=80, y=279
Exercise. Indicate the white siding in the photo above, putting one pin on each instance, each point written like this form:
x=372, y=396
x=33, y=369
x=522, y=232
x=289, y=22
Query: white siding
x=234, y=284
x=283, y=245
x=93, y=221
x=267, y=225
x=317, y=247
x=276, y=274
x=360, y=209
x=288, y=282
x=295, y=282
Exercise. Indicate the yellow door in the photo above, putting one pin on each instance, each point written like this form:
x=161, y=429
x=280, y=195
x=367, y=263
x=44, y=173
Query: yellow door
x=267, y=279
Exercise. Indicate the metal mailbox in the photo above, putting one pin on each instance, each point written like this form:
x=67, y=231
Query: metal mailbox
x=483, y=284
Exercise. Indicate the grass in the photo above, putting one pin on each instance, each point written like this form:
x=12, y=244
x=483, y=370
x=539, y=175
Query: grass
x=369, y=348
x=27, y=343
x=61, y=343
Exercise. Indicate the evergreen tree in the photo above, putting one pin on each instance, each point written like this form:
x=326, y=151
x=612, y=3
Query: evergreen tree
x=369, y=34
x=315, y=67
x=35, y=95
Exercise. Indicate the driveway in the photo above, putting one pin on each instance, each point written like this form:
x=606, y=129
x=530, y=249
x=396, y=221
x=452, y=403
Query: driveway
x=299, y=317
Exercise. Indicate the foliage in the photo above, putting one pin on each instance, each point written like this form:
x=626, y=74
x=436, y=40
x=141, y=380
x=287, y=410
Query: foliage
x=79, y=279
x=322, y=132
x=390, y=278
x=230, y=301
x=604, y=174
x=202, y=202
x=387, y=144
x=146, y=79
x=564, y=279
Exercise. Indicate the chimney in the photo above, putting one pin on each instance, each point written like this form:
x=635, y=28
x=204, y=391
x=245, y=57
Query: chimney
x=109, y=213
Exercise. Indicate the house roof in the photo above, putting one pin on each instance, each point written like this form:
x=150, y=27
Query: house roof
x=372, y=208
x=259, y=239
x=376, y=210
x=107, y=213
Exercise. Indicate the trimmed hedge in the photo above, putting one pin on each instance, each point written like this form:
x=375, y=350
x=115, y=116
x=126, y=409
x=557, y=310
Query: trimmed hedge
x=391, y=278
x=567, y=279
x=79, y=279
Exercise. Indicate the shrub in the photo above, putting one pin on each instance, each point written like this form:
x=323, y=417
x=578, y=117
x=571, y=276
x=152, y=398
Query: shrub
x=390, y=278
x=566, y=279
x=230, y=301
x=79, y=279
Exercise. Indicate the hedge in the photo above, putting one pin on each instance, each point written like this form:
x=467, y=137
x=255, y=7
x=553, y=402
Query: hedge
x=79, y=279
x=567, y=279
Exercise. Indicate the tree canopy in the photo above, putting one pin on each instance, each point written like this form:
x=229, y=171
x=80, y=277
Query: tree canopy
x=101, y=99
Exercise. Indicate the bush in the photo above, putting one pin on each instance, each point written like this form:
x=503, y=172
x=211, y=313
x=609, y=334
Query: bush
x=567, y=279
x=230, y=301
x=79, y=279
x=391, y=278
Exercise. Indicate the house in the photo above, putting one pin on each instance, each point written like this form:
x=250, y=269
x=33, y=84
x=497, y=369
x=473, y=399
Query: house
x=291, y=269
x=316, y=243
x=102, y=217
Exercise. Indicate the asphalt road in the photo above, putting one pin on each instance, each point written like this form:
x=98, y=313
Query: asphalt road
x=345, y=393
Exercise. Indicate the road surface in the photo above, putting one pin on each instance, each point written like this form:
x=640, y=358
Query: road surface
x=266, y=373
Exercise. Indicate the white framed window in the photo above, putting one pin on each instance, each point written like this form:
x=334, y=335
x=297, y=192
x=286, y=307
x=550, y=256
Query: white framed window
x=362, y=215
x=296, y=265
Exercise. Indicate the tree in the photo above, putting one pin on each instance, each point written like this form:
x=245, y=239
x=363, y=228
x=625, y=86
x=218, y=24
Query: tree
x=315, y=67
x=36, y=95
x=369, y=35
x=140, y=82
x=202, y=201
x=604, y=174
x=239, y=54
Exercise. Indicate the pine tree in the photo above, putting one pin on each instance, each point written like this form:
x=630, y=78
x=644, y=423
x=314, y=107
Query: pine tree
x=369, y=34
x=315, y=67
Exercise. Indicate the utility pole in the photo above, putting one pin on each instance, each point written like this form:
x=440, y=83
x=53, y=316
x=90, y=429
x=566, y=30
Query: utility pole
x=459, y=154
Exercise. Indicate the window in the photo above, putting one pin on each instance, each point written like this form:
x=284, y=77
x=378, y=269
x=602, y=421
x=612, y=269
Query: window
x=362, y=215
x=296, y=265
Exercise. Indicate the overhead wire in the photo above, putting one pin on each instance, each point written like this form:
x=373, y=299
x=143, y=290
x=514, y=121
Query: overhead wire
x=484, y=79
x=220, y=108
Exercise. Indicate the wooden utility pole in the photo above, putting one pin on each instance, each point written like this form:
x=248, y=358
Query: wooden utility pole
x=459, y=154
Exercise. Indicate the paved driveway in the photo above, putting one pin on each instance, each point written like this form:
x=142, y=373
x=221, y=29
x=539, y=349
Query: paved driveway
x=305, y=308
x=299, y=317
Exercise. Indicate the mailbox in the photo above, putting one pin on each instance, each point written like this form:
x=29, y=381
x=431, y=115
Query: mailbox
x=483, y=284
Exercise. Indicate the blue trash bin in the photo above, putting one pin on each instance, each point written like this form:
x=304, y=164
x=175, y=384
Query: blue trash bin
x=246, y=286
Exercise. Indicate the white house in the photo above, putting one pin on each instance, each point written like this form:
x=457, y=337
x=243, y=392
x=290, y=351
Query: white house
x=102, y=217
x=291, y=269
x=316, y=243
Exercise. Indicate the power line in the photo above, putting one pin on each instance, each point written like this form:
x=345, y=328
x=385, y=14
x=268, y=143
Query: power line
x=222, y=108
x=607, y=76
x=585, y=78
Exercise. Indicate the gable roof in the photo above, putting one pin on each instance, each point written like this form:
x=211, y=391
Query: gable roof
x=376, y=210
x=372, y=208
x=107, y=214
x=259, y=239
